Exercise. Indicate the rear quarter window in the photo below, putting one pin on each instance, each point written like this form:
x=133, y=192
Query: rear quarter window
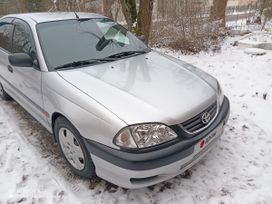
x=6, y=29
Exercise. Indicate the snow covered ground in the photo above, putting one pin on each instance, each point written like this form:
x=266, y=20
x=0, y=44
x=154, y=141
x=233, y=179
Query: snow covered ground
x=241, y=25
x=237, y=170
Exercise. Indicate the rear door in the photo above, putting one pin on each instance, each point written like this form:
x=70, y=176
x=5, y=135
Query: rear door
x=6, y=30
x=27, y=80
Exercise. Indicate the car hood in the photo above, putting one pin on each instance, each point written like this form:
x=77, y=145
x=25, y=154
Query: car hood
x=145, y=88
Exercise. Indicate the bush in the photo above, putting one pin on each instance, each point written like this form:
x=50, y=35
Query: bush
x=184, y=25
x=188, y=36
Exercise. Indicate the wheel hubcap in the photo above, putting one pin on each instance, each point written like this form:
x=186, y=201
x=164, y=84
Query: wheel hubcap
x=71, y=148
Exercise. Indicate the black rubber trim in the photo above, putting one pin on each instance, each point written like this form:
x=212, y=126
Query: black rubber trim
x=156, y=158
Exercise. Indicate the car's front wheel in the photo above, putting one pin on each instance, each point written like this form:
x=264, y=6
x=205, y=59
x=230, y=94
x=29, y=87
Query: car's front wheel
x=3, y=94
x=72, y=148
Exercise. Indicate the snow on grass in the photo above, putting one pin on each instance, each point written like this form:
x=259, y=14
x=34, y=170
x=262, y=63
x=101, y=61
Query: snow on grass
x=261, y=37
x=241, y=25
x=237, y=170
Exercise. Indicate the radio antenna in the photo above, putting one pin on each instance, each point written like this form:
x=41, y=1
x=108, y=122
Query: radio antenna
x=76, y=15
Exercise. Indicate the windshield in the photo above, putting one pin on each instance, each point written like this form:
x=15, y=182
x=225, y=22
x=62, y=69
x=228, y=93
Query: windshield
x=70, y=41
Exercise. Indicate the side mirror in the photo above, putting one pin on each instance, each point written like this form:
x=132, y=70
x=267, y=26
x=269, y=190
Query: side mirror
x=20, y=60
x=142, y=38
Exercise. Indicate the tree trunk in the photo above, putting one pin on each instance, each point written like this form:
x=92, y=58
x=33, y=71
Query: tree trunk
x=145, y=18
x=130, y=12
x=107, y=8
x=82, y=5
x=217, y=11
x=69, y=4
x=162, y=8
x=57, y=5
x=117, y=9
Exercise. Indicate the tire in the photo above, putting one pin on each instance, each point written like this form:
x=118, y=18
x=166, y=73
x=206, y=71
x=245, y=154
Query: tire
x=3, y=95
x=73, y=149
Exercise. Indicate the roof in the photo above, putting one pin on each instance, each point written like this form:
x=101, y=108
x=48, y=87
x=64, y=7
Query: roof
x=55, y=16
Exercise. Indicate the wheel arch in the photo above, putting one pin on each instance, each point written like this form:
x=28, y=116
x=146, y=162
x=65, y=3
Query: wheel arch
x=54, y=117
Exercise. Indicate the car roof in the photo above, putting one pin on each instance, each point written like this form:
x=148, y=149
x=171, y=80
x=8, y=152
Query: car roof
x=54, y=16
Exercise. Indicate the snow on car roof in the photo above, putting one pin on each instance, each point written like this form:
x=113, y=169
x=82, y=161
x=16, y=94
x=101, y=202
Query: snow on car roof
x=54, y=16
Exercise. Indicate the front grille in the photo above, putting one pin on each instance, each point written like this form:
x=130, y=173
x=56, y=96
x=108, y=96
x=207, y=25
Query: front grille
x=194, y=124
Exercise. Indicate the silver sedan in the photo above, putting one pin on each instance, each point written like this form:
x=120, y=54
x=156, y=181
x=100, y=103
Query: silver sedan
x=117, y=109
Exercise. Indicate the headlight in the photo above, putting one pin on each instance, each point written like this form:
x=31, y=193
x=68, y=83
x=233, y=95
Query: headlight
x=220, y=94
x=144, y=135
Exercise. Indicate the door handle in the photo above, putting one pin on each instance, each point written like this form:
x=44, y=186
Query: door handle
x=10, y=69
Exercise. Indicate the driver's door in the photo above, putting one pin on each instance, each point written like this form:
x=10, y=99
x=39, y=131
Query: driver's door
x=27, y=80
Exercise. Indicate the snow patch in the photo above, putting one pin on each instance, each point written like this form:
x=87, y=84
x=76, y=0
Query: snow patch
x=259, y=39
x=255, y=51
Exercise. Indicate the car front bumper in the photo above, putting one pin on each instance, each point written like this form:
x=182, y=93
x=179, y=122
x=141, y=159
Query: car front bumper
x=141, y=169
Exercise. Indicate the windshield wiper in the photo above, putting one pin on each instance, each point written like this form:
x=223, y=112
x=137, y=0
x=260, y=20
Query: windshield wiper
x=82, y=63
x=97, y=61
x=125, y=54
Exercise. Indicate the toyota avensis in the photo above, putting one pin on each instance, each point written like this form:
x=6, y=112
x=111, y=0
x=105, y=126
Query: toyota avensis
x=117, y=109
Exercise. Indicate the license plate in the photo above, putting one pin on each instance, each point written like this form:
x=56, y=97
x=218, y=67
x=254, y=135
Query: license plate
x=202, y=144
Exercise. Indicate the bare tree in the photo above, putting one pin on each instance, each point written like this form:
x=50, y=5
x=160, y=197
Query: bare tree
x=57, y=4
x=266, y=11
x=130, y=12
x=161, y=9
x=145, y=18
x=264, y=4
x=139, y=23
x=117, y=7
x=218, y=10
x=107, y=8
